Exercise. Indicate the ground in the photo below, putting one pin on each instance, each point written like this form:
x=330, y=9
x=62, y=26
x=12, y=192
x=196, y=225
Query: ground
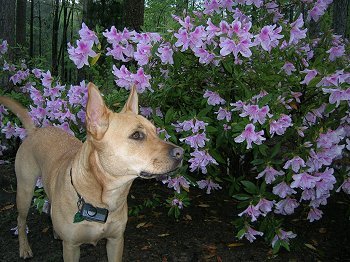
x=202, y=233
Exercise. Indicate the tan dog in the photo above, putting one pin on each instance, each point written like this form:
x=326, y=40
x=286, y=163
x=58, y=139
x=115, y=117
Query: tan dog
x=119, y=148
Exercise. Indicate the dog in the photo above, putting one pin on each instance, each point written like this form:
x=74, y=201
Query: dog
x=88, y=183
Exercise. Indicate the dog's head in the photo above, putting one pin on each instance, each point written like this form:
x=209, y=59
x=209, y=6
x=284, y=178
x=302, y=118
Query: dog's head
x=126, y=143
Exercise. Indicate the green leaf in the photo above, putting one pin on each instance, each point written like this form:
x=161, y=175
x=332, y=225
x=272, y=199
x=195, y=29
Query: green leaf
x=95, y=59
x=217, y=156
x=169, y=115
x=78, y=218
x=241, y=233
x=249, y=187
x=257, y=162
x=263, y=149
x=276, y=150
x=241, y=197
x=329, y=108
x=277, y=246
x=227, y=66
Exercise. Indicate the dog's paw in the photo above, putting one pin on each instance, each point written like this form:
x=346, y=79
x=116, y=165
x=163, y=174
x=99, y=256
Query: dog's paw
x=25, y=251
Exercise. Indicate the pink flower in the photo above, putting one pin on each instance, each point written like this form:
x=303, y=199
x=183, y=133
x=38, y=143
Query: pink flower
x=223, y=114
x=177, y=202
x=265, y=206
x=165, y=52
x=251, y=233
x=310, y=74
x=3, y=47
x=213, y=98
x=318, y=9
x=142, y=54
x=255, y=113
x=211, y=6
x=314, y=214
x=296, y=163
x=200, y=160
x=296, y=33
x=282, y=236
x=286, y=206
x=115, y=37
x=183, y=39
x=345, y=186
x=282, y=190
x=270, y=174
x=124, y=78
x=250, y=136
x=335, y=52
x=195, y=141
x=141, y=80
x=177, y=183
x=87, y=35
x=209, y=184
x=280, y=126
x=288, y=68
x=268, y=37
x=251, y=211
x=304, y=181
x=81, y=53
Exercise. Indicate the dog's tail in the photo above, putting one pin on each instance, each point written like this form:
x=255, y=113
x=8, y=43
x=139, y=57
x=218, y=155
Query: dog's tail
x=20, y=112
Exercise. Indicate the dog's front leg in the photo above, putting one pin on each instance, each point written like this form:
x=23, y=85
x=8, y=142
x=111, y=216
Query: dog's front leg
x=115, y=248
x=71, y=253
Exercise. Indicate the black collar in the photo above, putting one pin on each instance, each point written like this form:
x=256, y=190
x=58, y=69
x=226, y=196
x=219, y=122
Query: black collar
x=87, y=211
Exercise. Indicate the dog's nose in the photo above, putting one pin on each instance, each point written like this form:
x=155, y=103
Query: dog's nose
x=177, y=153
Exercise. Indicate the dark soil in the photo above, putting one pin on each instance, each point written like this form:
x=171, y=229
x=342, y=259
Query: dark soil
x=202, y=233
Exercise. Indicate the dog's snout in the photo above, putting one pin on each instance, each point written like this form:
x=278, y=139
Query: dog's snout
x=177, y=153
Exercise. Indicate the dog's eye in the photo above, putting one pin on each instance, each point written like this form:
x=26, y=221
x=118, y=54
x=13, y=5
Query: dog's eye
x=137, y=135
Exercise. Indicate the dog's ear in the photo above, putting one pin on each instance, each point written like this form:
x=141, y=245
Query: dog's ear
x=132, y=104
x=96, y=113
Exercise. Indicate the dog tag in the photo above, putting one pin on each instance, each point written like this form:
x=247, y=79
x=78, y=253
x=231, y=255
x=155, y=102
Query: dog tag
x=78, y=217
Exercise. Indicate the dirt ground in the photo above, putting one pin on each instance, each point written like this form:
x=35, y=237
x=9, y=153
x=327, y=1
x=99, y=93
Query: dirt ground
x=203, y=232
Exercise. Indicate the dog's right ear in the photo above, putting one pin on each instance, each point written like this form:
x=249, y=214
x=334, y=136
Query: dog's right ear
x=96, y=113
x=132, y=104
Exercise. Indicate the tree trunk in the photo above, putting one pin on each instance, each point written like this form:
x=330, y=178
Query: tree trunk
x=340, y=16
x=21, y=11
x=133, y=14
x=31, y=33
x=64, y=39
x=55, y=27
x=40, y=30
x=7, y=21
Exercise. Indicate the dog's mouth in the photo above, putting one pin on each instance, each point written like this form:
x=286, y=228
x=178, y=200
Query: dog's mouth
x=147, y=175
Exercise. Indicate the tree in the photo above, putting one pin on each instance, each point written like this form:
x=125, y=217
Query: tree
x=133, y=14
x=7, y=21
x=55, y=27
x=21, y=22
x=340, y=16
x=31, y=30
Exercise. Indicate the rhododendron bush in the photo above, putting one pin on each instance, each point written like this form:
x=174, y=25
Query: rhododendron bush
x=261, y=108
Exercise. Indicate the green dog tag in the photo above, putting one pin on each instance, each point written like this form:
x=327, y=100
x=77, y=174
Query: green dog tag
x=78, y=217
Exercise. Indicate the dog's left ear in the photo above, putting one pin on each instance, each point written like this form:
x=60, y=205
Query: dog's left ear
x=97, y=121
x=132, y=104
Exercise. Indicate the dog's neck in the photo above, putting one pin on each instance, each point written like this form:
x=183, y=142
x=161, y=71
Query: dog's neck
x=95, y=184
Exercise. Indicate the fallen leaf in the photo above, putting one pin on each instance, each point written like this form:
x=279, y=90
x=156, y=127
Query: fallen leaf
x=145, y=247
x=188, y=217
x=141, y=224
x=164, y=259
x=218, y=259
x=7, y=207
x=45, y=229
x=322, y=230
x=164, y=235
x=235, y=244
x=203, y=205
x=311, y=247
